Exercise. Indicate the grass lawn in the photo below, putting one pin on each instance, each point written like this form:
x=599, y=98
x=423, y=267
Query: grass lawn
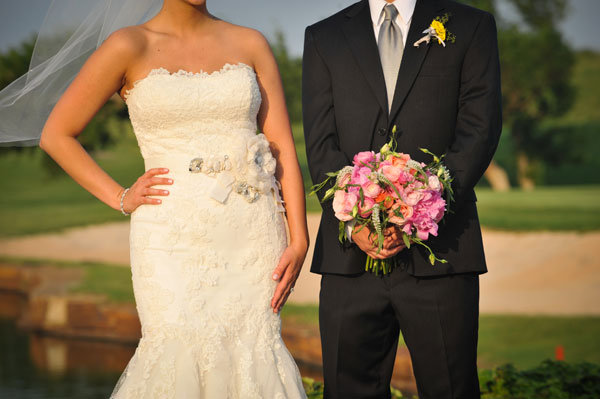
x=545, y=208
x=35, y=202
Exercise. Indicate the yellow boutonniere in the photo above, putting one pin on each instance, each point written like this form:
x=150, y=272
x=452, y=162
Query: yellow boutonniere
x=437, y=30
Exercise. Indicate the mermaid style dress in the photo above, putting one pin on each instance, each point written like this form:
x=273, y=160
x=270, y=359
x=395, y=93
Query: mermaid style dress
x=202, y=260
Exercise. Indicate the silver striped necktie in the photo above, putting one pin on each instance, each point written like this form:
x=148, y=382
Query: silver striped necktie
x=391, y=47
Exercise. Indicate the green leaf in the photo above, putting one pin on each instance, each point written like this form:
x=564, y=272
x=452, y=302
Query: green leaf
x=406, y=240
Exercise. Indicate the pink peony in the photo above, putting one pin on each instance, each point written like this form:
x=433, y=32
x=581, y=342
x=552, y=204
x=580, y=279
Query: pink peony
x=363, y=158
x=433, y=206
x=343, y=203
x=425, y=226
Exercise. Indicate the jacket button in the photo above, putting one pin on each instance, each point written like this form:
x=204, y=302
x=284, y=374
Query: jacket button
x=382, y=131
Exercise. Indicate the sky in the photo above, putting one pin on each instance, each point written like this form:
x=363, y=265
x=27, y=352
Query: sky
x=20, y=18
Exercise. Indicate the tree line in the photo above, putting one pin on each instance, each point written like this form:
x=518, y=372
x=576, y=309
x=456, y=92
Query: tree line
x=536, y=63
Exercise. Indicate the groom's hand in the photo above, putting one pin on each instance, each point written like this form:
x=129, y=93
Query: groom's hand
x=365, y=239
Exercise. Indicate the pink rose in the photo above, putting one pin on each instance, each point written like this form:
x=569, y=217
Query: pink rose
x=407, y=212
x=397, y=220
x=412, y=197
x=371, y=189
x=401, y=160
x=343, y=203
x=366, y=208
x=392, y=173
x=363, y=158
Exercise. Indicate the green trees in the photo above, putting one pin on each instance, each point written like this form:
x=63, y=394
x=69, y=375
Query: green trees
x=291, y=76
x=536, y=65
x=105, y=129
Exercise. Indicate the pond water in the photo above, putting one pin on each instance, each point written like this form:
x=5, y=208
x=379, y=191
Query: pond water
x=33, y=366
x=39, y=366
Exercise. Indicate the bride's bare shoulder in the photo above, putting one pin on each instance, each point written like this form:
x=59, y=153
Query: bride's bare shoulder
x=127, y=41
x=248, y=38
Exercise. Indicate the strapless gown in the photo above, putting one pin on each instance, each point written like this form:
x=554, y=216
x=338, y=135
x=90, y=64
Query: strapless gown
x=202, y=260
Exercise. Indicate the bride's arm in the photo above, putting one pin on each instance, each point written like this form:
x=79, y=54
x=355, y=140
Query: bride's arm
x=274, y=122
x=102, y=75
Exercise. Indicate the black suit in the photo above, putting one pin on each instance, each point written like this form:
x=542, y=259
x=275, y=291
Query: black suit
x=447, y=99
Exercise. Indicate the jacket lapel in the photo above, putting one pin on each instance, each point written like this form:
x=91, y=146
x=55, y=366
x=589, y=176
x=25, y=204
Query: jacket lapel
x=412, y=59
x=361, y=38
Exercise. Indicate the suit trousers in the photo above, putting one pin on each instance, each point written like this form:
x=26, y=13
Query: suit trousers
x=360, y=319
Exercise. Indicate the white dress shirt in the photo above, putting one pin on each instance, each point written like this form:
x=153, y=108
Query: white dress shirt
x=405, y=9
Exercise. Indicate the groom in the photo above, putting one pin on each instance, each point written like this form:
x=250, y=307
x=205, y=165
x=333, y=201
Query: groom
x=362, y=75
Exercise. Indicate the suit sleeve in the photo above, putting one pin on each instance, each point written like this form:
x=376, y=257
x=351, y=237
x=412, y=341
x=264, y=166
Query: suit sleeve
x=479, y=119
x=320, y=133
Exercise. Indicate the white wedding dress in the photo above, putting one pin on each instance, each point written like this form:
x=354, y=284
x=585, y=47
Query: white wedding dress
x=202, y=260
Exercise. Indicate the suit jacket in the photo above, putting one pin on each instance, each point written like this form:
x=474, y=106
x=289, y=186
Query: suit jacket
x=447, y=99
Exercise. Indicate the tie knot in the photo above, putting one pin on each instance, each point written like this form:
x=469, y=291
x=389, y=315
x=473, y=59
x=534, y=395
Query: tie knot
x=390, y=12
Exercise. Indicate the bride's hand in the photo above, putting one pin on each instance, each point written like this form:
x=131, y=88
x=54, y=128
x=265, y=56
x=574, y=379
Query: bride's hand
x=138, y=192
x=287, y=272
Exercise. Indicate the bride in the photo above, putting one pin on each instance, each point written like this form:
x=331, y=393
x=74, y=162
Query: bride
x=210, y=259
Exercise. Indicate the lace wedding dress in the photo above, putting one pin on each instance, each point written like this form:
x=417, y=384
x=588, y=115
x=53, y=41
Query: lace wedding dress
x=202, y=260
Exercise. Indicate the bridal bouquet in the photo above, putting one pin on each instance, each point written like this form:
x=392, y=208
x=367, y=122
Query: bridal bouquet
x=386, y=189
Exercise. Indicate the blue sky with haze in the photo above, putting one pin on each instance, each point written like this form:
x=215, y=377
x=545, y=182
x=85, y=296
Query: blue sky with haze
x=19, y=18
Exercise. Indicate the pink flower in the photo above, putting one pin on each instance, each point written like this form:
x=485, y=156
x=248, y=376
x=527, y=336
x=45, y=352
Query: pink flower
x=397, y=220
x=434, y=183
x=412, y=197
x=344, y=180
x=343, y=203
x=400, y=189
x=426, y=226
x=432, y=206
x=371, y=189
x=400, y=160
x=407, y=212
x=392, y=173
x=366, y=208
x=363, y=158
x=360, y=175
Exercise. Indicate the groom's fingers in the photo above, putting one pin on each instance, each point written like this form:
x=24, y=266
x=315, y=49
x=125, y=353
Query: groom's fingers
x=385, y=253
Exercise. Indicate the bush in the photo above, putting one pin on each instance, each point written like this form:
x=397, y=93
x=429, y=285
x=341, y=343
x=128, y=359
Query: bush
x=550, y=380
x=314, y=389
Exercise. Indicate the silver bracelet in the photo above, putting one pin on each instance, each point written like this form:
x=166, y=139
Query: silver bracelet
x=122, y=198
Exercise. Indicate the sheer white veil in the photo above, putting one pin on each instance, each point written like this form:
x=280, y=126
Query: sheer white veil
x=69, y=34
